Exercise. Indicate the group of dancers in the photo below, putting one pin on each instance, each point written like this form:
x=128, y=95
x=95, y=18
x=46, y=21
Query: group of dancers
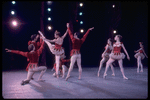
x=111, y=53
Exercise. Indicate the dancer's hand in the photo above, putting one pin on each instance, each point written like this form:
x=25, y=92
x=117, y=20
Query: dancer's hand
x=135, y=51
x=91, y=28
x=7, y=50
x=67, y=24
x=128, y=57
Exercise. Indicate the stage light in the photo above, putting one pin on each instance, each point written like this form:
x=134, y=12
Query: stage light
x=114, y=31
x=49, y=19
x=81, y=30
x=81, y=4
x=80, y=13
x=14, y=23
x=13, y=2
x=49, y=9
x=81, y=22
x=113, y=6
x=12, y=12
x=49, y=27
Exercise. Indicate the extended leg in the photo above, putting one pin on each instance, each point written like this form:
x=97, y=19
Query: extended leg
x=57, y=59
x=79, y=65
x=121, y=68
x=112, y=68
x=100, y=66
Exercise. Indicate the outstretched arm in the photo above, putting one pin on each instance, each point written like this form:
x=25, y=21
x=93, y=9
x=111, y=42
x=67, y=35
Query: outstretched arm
x=65, y=34
x=17, y=52
x=137, y=50
x=86, y=34
x=125, y=52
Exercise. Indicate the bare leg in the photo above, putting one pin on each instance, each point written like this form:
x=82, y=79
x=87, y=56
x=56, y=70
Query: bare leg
x=79, y=65
x=139, y=64
x=100, y=66
x=121, y=68
x=112, y=68
x=63, y=70
x=73, y=59
x=110, y=61
x=57, y=59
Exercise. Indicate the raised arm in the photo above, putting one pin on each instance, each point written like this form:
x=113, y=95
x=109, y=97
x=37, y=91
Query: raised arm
x=65, y=34
x=125, y=51
x=86, y=34
x=70, y=33
x=41, y=48
x=17, y=52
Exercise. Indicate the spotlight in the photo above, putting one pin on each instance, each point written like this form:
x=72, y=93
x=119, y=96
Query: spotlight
x=49, y=9
x=81, y=4
x=81, y=22
x=80, y=13
x=12, y=12
x=81, y=30
x=13, y=2
x=14, y=23
x=49, y=27
x=114, y=31
x=49, y=19
x=113, y=6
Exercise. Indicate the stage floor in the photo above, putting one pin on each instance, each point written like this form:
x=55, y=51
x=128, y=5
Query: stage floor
x=90, y=86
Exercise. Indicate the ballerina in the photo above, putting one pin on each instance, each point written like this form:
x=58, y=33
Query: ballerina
x=33, y=57
x=56, y=49
x=105, y=56
x=117, y=55
x=140, y=55
x=75, y=52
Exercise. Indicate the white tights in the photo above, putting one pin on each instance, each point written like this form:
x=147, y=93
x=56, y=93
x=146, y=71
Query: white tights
x=36, y=69
x=57, y=61
x=104, y=59
x=139, y=63
x=110, y=61
x=74, y=58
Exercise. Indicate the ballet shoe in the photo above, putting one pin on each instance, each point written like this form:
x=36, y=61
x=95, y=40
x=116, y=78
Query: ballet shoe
x=67, y=77
x=104, y=76
x=98, y=74
x=24, y=82
x=113, y=74
x=141, y=71
x=41, y=80
x=79, y=77
x=125, y=78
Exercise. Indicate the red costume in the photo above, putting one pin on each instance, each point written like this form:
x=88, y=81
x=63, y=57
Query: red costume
x=76, y=43
x=36, y=44
x=31, y=56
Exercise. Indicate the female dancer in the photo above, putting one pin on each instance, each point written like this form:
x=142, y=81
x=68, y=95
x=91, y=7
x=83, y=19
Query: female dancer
x=105, y=57
x=140, y=56
x=117, y=55
x=56, y=49
x=75, y=52
x=33, y=57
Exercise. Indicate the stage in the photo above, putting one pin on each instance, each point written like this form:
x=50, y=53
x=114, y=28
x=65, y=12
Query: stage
x=90, y=86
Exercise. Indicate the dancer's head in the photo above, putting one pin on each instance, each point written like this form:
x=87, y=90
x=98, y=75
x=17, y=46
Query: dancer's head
x=77, y=35
x=141, y=44
x=31, y=47
x=118, y=38
x=109, y=41
x=35, y=37
x=56, y=34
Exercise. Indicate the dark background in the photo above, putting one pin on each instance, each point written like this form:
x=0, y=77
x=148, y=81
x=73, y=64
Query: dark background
x=130, y=19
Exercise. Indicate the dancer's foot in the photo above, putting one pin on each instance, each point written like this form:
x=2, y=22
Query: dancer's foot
x=98, y=74
x=141, y=71
x=24, y=82
x=57, y=76
x=113, y=74
x=67, y=77
x=41, y=80
x=32, y=78
x=125, y=78
x=104, y=76
x=79, y=77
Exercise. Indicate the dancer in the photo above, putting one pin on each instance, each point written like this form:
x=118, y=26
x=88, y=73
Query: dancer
x=62, y=68
x=56, y=49
x=140, y=56
x=32, y=65
x=75, y=52
x=105, y=56
x=117, y=55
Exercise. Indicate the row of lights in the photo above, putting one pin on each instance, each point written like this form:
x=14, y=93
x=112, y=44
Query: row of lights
x=81, y=15
x=49, y=11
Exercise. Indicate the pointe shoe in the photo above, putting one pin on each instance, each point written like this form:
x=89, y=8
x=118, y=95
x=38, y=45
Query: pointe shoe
x=113, y=74
x=98, y=74
x=67, y=78
x=79, y=77
x=104, y=76
x=41, y=80
x=141, y=71
x=125, y=78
